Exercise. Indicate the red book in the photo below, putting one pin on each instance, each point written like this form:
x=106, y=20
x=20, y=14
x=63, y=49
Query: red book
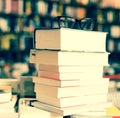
x=117, y=76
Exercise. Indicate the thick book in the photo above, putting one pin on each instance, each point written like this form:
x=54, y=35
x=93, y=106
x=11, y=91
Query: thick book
x=68, y=75
x=49, y=57
x=72, y=82
x=71, y=110
x=70, y=39
x=54, y=82
x=61, y=92
x=57, y=68
x=72, y=101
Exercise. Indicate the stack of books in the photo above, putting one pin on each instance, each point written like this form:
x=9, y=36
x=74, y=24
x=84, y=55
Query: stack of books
x=70, y=70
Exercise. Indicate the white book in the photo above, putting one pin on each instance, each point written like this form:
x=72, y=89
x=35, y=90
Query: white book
x=10, y=104
x=10, y=82
x=9, y=110
x=70, y=110
x=70, y=39
x=69, y=75
x=27, y=111
x=71, y=101
x=5, y=97
x=61, y=92
x=5, y=93
x=68, y=58
x=57, y=68
x=54, y=82
x=66, y=83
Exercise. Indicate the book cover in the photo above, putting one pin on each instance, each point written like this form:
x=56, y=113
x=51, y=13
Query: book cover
x=70, y=39
x=49, y=57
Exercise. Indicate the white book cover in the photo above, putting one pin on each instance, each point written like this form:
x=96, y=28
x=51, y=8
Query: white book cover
x=70, y=39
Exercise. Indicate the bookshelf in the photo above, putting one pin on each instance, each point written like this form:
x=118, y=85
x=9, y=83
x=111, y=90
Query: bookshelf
x=109, y=20
x=17, y=23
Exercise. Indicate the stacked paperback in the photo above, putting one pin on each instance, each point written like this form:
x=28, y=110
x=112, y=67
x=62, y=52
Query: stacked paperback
x=70, y=71
x=7, y=100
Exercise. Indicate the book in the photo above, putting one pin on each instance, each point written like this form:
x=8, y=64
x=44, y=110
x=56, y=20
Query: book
x=57, y=68
x=54, y=82
x=71, y=101
x=49, y=57
x=70, y=110
x=10, y=82
x=70, y=39
x=61, y=92
x=69, y=75
x=10, y=104
x=26, y=110
x=5, y=94
x=67, y=83
x=57, y=92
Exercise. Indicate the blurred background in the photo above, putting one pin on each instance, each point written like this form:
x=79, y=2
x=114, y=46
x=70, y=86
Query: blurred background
x=19, y=18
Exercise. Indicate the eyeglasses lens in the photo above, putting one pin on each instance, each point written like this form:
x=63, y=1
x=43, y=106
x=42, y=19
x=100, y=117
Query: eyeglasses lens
x=86, y=24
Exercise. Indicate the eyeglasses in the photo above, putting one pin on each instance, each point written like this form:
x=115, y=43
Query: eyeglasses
x=74, y=23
